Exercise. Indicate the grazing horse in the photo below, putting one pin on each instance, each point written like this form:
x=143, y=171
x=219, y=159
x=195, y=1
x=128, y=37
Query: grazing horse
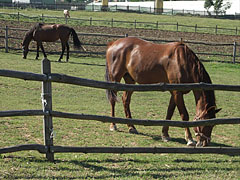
x=140, y=61
x=50, y=33
x=66, y=13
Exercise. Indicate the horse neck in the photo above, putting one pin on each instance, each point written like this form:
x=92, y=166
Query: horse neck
x=27, y=39
x=204, y=100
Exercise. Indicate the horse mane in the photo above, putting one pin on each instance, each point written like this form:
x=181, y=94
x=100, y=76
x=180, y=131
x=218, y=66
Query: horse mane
x=29, y=34
x=204, y=77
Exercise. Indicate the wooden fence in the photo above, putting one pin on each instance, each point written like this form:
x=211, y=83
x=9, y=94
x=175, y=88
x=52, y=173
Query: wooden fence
x=129, y=24
x=48, y=113
x=101, y=46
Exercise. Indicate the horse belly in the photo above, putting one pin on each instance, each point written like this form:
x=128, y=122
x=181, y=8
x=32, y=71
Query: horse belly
x=147, y=73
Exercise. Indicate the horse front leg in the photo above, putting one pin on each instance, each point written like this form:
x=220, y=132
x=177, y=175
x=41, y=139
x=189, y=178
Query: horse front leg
x=170, y=111
x=63, y=50
x=178, y=97
x=126, y=99
x=44, y=54
x=37, y=56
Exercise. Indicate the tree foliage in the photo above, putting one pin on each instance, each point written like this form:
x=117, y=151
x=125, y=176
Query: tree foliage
x=218, y=6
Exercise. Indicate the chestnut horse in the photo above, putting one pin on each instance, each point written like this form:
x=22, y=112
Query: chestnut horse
x=140, y=61
x=50, y=33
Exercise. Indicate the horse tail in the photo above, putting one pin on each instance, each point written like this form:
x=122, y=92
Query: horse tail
x=76, y=42
x=111, y=94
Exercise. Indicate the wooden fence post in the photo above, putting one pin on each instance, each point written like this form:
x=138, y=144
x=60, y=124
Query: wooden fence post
x=157, y=25
x=195, y=28
x=135, y=24
x=47, y=108
x=177, y=26
x=234, y=51
x=216, y=29
x=42, y=18
x=18, y=16
x=90, y=21
x=6, y=39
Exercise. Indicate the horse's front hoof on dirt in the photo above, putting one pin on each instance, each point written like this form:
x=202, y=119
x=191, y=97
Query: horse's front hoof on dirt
x=113, y=127
x=133, y=130
x=191, y=142
x=166, y=138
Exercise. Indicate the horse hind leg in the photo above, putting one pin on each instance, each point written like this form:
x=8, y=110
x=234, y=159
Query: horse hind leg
x=67, y=45
x=170, y=111
x=63, y=50
x=126, y=98
x=113, y=126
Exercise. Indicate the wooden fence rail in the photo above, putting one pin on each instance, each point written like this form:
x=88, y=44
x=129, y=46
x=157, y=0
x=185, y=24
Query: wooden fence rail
x=49, y=149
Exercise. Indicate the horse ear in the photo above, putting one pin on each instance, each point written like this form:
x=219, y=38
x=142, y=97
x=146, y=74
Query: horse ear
x=217, y=110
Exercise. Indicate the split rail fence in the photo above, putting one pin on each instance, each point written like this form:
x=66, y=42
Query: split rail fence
x=48, y=113
x=230, y=52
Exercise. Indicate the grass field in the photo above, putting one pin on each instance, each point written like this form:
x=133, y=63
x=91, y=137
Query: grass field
x=120, y=16
x=18, y=95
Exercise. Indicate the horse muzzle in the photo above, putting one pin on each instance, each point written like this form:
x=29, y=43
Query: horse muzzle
x=202, y=140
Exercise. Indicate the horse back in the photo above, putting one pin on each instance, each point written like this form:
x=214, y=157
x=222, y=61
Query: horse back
x=148, y=63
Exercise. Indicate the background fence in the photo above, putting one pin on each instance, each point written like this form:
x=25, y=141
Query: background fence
x=96, y=45
x=48, y=113
x=129, y=24
x=88, y=6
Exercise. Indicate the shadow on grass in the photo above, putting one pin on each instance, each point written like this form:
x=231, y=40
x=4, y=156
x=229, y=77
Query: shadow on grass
x=123, y=168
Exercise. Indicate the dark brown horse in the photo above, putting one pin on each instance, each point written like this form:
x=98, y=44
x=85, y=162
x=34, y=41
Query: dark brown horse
x=50, y=33
x=136, y=60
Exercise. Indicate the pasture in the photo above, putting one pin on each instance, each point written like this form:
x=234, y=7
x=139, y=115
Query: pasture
x=18, y=94
x=206, y=25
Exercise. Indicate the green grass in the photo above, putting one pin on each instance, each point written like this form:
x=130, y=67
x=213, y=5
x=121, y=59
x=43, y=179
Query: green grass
x=19, y=94
x=120, y=16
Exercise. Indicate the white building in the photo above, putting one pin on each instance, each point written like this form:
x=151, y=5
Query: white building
x=179, y=5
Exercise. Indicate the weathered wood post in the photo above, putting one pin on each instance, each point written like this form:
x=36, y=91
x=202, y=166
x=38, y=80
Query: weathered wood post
x=234, y=51
x=18, y=16
x=47, y=108
x=6, y=39
x=42, y=18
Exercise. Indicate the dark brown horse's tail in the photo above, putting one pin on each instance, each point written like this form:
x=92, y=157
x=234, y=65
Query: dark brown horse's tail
x=111, y=95
x=76, y=42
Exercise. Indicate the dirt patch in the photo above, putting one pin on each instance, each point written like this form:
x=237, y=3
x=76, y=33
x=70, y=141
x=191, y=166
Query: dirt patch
x=100, y=42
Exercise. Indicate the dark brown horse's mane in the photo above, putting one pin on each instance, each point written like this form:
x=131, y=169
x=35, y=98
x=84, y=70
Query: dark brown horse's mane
x=29, y=34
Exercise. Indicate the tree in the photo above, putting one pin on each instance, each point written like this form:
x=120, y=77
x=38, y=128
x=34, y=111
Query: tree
x=218, y=6
x=207, y=5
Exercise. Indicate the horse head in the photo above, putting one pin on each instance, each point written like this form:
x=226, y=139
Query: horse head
x=25, y=50
x=203, y=133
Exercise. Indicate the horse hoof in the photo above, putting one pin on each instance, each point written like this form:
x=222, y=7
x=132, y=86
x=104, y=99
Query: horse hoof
x=59, y=60
x=113, y=128
x=191, y=142
x=133, y=131
x=166, y=138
